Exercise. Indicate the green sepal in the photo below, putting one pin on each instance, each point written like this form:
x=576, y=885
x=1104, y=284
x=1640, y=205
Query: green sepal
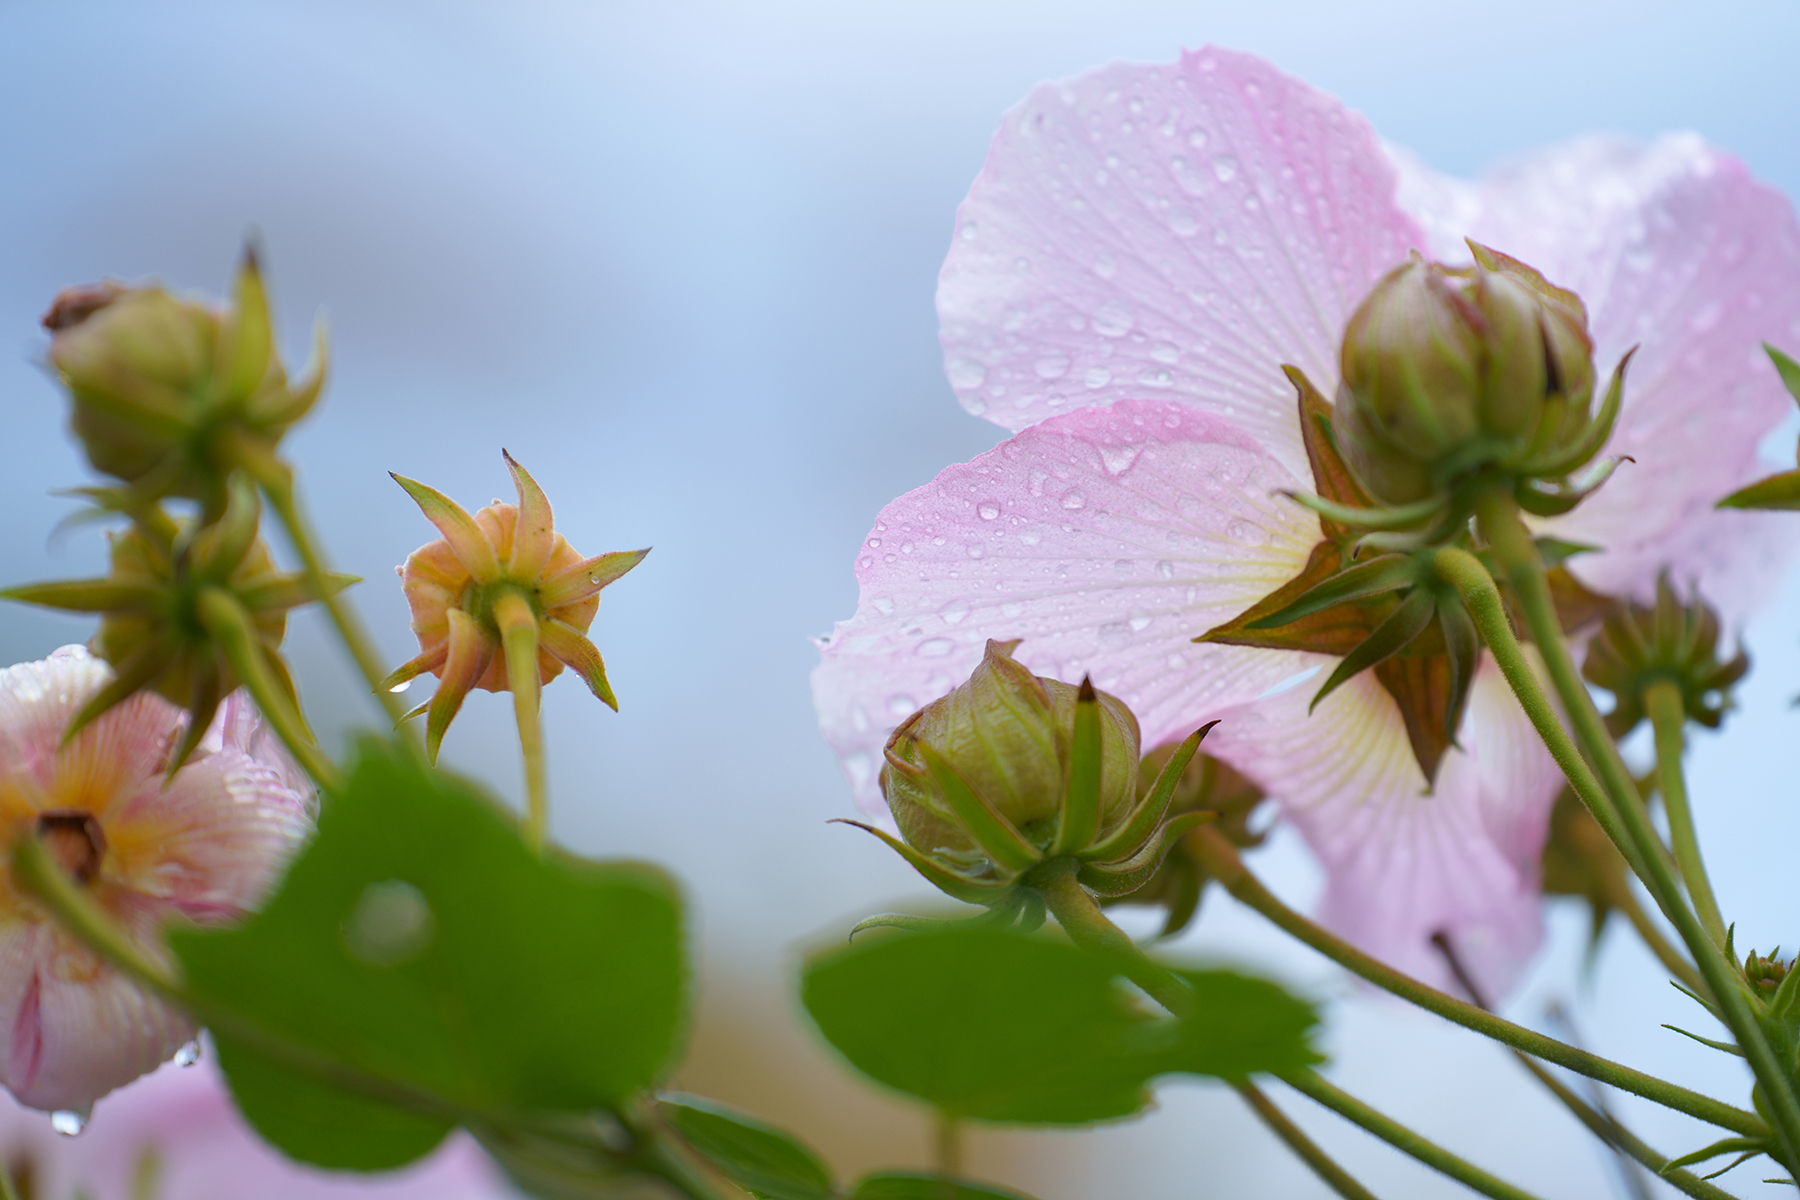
x=1780, y=492
x=1393, y=518
x=290, y=591
x=1375, y=577
x=953, y=884
x=1592, y=438
x=1787, y=368
x=467, y=542
x=277, y=408
x=1722, y=1047
x=1390, y=637
x=1136, y=830
x=1731, y=1145
x=1121, y=879
x=1541, y=501
x=765, y=1161
x=247, y=339
x=1462, y=645
x=1078, y=822
x=130, y=676
x=1002, y=843
x=87, y=596
x=1787, y=996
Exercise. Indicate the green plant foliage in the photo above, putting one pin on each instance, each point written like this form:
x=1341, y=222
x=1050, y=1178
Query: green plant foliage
x=1001, y=1026
x=419, y=945
x=894, y=1186
x=761, y=1159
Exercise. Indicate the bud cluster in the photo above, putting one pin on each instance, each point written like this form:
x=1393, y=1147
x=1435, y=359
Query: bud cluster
x=1641, y=644
x=1012, y=772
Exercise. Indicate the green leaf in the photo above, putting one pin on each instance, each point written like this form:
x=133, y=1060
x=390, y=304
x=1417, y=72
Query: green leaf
x=995, y=1025
x=420, y=944
x=1788, y=369
x=1777, y=491
x=986, y=1023
x=892, y=1185
x=1240, y=1026
x=761, y=1159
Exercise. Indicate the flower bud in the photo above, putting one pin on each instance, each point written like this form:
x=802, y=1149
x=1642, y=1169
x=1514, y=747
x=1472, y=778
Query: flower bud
x=1007, y=733
x=1640, y=644
x=1449, y=370
x=170, y=394
x=1765, y=972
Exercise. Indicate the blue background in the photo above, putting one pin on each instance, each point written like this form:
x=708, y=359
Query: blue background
x=679, y=259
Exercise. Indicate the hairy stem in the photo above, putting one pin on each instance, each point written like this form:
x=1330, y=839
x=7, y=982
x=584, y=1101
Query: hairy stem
x=1668, y=716
x=519, y=640
x=1322, y=1164
x=1222, y=862
x=1311, y=1084
x=226, y=620
x=1498, y=516
x=1080, y=916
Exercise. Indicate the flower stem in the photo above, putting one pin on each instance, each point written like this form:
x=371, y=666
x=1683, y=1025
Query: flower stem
x=1651, y=935
x=276, y=479
x=1322, y=1164
x=1222, y=862
x=1498, y=516
x=519, y=639
x=1311, y=1083
x=947, y=1146
x=8, y=1190
x=226, y=620
x=1668, y=716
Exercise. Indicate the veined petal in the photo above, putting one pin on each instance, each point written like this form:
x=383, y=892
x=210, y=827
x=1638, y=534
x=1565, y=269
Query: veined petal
x=1107, y=539
x=1674, y=247
x=1401, y=864
x=534, y=536
x=1181, y=228
x=470, y=545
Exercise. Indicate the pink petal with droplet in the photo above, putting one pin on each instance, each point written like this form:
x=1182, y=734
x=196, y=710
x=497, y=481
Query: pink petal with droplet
x=1402, y=865
x=1674, y=247
x=1176, y=230
x=1106, y=539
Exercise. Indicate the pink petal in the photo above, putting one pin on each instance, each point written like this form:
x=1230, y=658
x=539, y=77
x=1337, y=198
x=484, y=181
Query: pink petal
x=1179, y=230
x=76, y=1029
x=1402, y=865
x=1675, y=246
x=1106, y=539
x=206, y=1152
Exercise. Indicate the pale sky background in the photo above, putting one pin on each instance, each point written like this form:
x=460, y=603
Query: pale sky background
x=679, y=259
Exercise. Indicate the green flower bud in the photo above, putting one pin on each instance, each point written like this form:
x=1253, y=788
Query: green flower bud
x=1446, y=371
x=1007, y=733
x=1012, y=778
x=169, y=394
x=1640, y=644
x=1765, y=972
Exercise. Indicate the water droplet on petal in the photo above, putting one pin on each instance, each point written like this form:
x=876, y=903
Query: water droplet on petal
x=1225, y=167
x=1097, y=377
x=188, y=1055
x=935, y=647
x=401, y=686
x=1114, y=319
x=1165, y=569
x=1118, y=459
x=1140, y=620
x=1052, y=366
x=987, y=510
x=902, y=705
x=1073, y=499
x=1247, y=532
x=965, y=373
x=954, y=612
x=70, y=1121
x=858, y=766
x=883, y=604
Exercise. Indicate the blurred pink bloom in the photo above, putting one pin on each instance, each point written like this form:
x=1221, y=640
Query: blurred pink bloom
x=204, y=847
x=1145, y=248
x=178, y=1125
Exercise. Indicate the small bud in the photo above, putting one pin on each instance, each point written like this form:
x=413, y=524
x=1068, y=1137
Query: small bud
x=1006, y=732
x=1668, y=640
x=505, y=568
x=1450, y=370
x=169, y=394
x=1765, y=972
x=189, y=612
x=1011, y=771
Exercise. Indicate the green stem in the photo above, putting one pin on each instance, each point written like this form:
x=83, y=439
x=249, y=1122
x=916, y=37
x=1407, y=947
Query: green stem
x=519, y=640
x=228, y=623
x=664, y=1153
x=1651, y=935
x=8, y=1190
x=1222, y=862
x=1668, y=716
x=277, y=481
x=1322, y=1164
x=1311, y=1083
x=1498, y=516
x=1080, y=916
x=947, y=1146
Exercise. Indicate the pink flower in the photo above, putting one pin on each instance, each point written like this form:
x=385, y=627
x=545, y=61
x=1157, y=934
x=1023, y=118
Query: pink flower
x=203, y=846
x=1144, y=250
x=180, y=1126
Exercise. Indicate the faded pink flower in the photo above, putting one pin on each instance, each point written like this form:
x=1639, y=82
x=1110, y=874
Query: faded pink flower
x=175, y=1135
x=202, y=846
x=1144, y=250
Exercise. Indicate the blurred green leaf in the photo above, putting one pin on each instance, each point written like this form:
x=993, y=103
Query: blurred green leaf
x=1777, y=491
x=419, y=942
x=761, y=1159
x=895, y=1186
x=1000, y=1026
